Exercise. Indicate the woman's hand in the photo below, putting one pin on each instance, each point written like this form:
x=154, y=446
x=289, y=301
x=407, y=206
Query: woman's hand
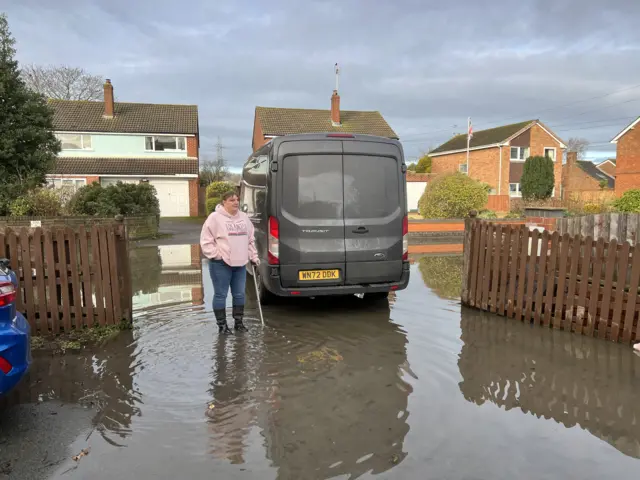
x=255, y=262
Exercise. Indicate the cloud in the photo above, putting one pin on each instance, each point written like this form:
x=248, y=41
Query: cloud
x=425, y=65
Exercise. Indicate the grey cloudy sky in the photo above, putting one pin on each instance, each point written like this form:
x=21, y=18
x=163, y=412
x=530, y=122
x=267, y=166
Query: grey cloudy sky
x=425, y=65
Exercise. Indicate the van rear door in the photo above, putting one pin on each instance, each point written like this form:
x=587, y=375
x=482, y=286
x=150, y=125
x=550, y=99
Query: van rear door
x=310, y=208
x=374, y=210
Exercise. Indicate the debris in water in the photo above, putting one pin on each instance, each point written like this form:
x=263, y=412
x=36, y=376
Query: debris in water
x=323, y=355
x=83, y=453
x=212, y=406
x=395, y=458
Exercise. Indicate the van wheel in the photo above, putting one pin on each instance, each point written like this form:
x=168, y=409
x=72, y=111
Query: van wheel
x=376, y=296
x=264, y=295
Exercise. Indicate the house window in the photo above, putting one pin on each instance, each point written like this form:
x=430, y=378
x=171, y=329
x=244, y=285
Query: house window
x=514, y=190
x=519, y=154
x=463, y=168
x=71, y=183
x=550, y=152
x=164, y=144
x=72, y=141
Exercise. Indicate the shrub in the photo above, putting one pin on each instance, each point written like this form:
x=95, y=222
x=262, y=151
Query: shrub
x=452, y=196
x=123, y=198
x=412, y=167
x=629, y=202
x=537, y=178
x=424, y=165
x=38, y=203
x=513, y=214
x=592, y=208
x=211, y=204
x=487, y=214
x=215, y=190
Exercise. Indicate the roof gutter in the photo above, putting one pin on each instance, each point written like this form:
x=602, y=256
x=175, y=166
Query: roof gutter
x=464, y=150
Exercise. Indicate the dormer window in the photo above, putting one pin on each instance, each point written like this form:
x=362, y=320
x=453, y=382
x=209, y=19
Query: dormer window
x=165, y=144
x=73, y=141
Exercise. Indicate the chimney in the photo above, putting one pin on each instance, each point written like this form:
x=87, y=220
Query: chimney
x=108, y=99
x=572, y=158
x=335, y=109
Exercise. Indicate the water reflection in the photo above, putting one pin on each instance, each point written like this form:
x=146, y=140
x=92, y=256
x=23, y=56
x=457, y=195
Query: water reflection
x=165, y=275
x=99, y=378
x=442, y=274
x=569, y=378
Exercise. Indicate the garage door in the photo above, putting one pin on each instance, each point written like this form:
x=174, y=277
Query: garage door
x=173, y=194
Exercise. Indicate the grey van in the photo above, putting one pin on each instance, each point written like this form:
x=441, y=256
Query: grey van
x=330, y=215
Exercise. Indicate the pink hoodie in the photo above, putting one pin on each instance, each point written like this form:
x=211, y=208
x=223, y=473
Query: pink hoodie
x=229, y=238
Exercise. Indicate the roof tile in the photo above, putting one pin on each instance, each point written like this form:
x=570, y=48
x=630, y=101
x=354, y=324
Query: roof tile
x=124, y=166
x=290, y=121
x=482, y=137
x=86, y=116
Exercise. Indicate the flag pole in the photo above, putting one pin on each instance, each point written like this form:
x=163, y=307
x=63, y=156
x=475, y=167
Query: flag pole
x=468, y=141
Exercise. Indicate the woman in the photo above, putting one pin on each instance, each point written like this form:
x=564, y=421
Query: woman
x=227, y=240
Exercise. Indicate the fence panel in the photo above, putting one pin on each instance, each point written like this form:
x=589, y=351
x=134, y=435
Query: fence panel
x=69, y=278
x=561, y=281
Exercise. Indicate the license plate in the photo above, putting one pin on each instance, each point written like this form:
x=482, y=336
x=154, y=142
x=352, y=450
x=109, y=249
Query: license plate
x=310, y=275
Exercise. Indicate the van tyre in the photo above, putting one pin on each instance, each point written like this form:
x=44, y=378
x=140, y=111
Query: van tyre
x=376, y=296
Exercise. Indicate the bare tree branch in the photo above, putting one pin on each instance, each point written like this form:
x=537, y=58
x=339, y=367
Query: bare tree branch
x=578, y=145
x=62, y=82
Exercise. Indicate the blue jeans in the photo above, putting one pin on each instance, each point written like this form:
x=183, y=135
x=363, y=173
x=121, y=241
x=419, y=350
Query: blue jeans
x=224, y=276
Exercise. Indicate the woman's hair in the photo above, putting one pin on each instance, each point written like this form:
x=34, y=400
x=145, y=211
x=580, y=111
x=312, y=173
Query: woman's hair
x=228, y=195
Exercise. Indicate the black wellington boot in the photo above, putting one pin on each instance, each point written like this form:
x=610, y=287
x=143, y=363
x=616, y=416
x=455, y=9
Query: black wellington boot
x=221, y=319
x=238, y=313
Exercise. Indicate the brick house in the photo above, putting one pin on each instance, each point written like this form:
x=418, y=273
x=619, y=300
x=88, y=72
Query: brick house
x=109, y=142
x=628, y=158
x=608, y=166
x=584, y=180
x=497, y=156
x=270, y=122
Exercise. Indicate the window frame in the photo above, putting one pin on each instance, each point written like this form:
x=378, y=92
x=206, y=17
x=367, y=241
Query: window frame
x=525, y=149
x=517, y=193
x=466, y=168
x=77, y=182
x=82, y=142
x=555, y=153
x=171, y=150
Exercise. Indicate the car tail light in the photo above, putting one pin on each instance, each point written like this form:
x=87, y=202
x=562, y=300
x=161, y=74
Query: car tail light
x=7, y=293
x=5, y=366
x=340, y=135
x=274, y=241
x=405, y=238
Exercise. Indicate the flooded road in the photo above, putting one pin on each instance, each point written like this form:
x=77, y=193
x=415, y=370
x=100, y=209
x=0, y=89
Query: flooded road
x=413, y=387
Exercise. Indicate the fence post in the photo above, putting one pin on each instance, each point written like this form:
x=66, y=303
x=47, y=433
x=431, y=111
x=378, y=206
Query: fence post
x=124, y=269
x=466, y=256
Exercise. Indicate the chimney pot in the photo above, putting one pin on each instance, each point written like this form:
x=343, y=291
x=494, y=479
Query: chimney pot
x=335, y=109
x=572, y=157
x=108, y=99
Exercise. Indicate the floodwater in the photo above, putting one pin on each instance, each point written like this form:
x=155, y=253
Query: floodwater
x=413, y=387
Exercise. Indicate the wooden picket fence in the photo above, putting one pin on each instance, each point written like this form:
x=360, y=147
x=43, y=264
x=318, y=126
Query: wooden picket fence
x=70, y=278
x=560, y=281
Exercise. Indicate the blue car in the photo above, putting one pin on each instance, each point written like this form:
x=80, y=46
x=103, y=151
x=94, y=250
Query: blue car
x=15, y=333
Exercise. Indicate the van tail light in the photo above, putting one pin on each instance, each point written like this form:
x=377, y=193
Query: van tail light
x=5, y=366
x=7, y=294
x=274, y=242
x=405, y=238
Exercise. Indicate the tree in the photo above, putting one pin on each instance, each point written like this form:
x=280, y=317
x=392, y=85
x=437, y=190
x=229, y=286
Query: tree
x=412, y=167
x=424, y=164
x=578, y=145
x=63, y=82
x=452, y=196
x=214, y=170
x=537, y=179
x=28, y=147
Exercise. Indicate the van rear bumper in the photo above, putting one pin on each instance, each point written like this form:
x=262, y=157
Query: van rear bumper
x=273, y=284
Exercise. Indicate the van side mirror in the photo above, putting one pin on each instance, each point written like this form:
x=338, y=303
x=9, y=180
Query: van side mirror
x=245, y=208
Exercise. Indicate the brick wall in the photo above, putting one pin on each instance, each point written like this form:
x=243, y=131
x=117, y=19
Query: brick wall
x=575, y=179
x=194, y=197
x=258, y=136
x=137, y=227
x=541, y=139
x=628, y=161
x=483, y=164
x=192, y=147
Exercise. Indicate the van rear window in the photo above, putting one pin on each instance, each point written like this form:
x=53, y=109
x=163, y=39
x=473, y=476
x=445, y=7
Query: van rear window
x=313, y=186
x=370, y=186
